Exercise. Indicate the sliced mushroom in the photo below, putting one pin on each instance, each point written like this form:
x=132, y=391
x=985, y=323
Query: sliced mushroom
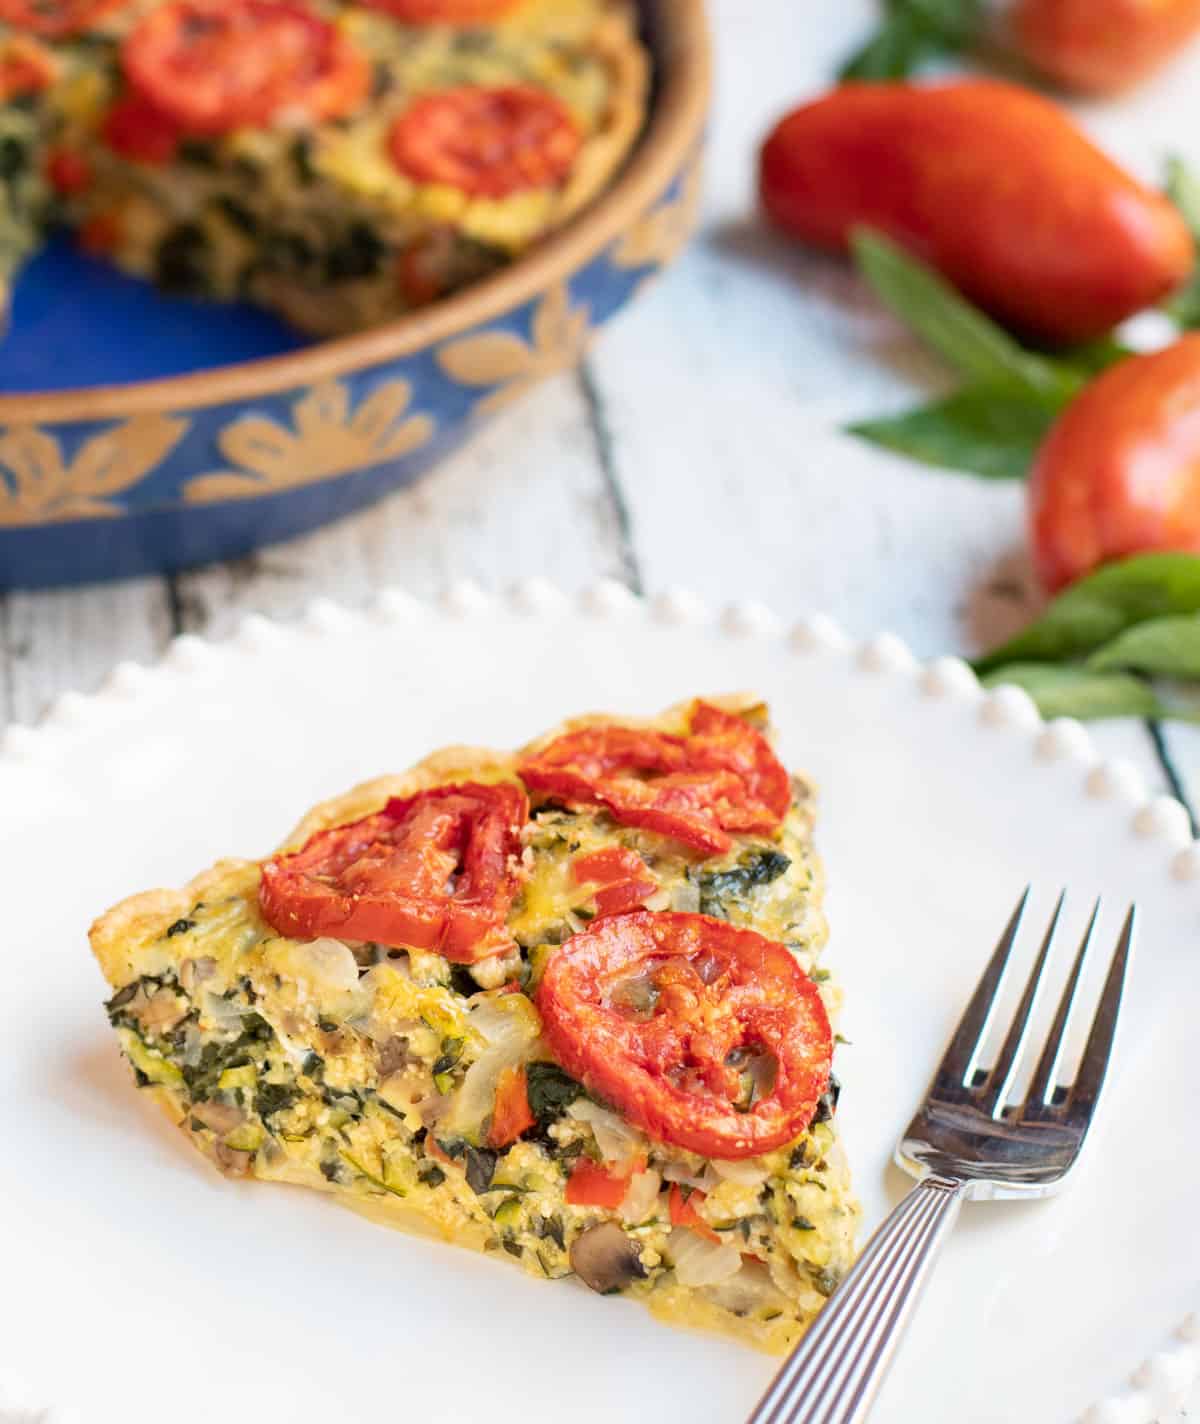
x=232, y=1162
x=605, y=1259
x=220, y=1117
x=394, y=1055
x=162, y=1011
x=123, y=997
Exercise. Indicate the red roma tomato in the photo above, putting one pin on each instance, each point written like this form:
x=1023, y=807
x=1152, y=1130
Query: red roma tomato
x=1119, y=472
x=434, y=871
x=135, y=129
x=488, y=142
x=994, y=186
x=216, y=65
x=55, y=19
x=723, y=776
x=620, y=876
x=1102, y=46
x=445, y=12
x=669, y=1017
x=26, y=67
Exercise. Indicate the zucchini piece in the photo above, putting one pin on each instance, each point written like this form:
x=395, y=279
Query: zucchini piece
x=508, y=1213
x=241, y=1077
x=150, y=1064
x=370, y=1176
x=246, y=1138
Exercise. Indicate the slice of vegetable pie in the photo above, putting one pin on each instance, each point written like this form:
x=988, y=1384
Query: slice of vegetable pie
x=561, y=1005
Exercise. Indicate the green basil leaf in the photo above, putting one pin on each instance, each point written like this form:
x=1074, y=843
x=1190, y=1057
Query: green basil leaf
x=956, y=21
x=898, y=48
x=981, y=430
x=912, y=33
x=1095, y=356
x=1184, y=306
x=1161, y=647
x=960, y=333
x=1183, y=189
x=1074, y=691
x=1097, y=608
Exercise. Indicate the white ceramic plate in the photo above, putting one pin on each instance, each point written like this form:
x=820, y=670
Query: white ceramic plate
x=140, y=1286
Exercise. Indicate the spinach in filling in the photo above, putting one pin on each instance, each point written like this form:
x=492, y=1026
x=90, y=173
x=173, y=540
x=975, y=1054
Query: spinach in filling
x=720, y=888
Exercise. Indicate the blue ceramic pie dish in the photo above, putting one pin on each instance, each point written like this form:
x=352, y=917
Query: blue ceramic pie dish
x=166, y=465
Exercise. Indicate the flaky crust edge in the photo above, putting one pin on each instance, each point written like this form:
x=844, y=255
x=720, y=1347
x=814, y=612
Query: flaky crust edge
x=615, y=38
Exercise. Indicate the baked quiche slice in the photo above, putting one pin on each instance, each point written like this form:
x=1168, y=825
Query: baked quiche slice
x=338, y=162
x=563, y=1006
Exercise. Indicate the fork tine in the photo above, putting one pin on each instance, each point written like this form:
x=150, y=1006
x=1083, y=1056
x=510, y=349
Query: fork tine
x=991, y=1100
x=960, y=1056
x=1041, y=1085
x=1086, y=1090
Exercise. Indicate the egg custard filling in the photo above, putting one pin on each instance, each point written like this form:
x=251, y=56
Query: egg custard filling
x=337, y=161
x=563, y=1006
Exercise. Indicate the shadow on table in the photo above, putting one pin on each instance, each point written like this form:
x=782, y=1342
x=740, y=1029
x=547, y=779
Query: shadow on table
x=94, y=1083
x=832, y=285
x=1003, y=601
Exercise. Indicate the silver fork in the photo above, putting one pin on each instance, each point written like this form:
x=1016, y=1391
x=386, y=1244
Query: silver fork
x=966, y=1143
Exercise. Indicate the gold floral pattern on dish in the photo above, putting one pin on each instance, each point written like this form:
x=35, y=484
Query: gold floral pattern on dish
x=559, y=336
x=661, y=232
x=38, y=484
x=327, y=439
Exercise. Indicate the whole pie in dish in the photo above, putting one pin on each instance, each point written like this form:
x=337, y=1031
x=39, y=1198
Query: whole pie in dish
x=339, y=163
x=563, y=1006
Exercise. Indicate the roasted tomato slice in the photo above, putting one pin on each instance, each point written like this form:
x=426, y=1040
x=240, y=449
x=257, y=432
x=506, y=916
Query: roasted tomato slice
x=621, y=879
x=723, y=776
x=216, y=65
x=435, y=871
x=26, y=67
x=445, y=12
x=55, y=19
x=706, y=1036
x=487, y=142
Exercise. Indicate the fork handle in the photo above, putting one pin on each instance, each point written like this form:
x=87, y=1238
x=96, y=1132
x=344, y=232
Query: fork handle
x=832, y=1376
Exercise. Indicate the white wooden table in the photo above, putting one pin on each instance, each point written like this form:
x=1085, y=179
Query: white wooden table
x=699, y=446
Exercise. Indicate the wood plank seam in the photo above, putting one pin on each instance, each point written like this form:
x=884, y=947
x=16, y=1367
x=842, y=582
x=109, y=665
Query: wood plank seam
x=8, y=696
x=1174, y=778
x=175, y=606
x=601, y=430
